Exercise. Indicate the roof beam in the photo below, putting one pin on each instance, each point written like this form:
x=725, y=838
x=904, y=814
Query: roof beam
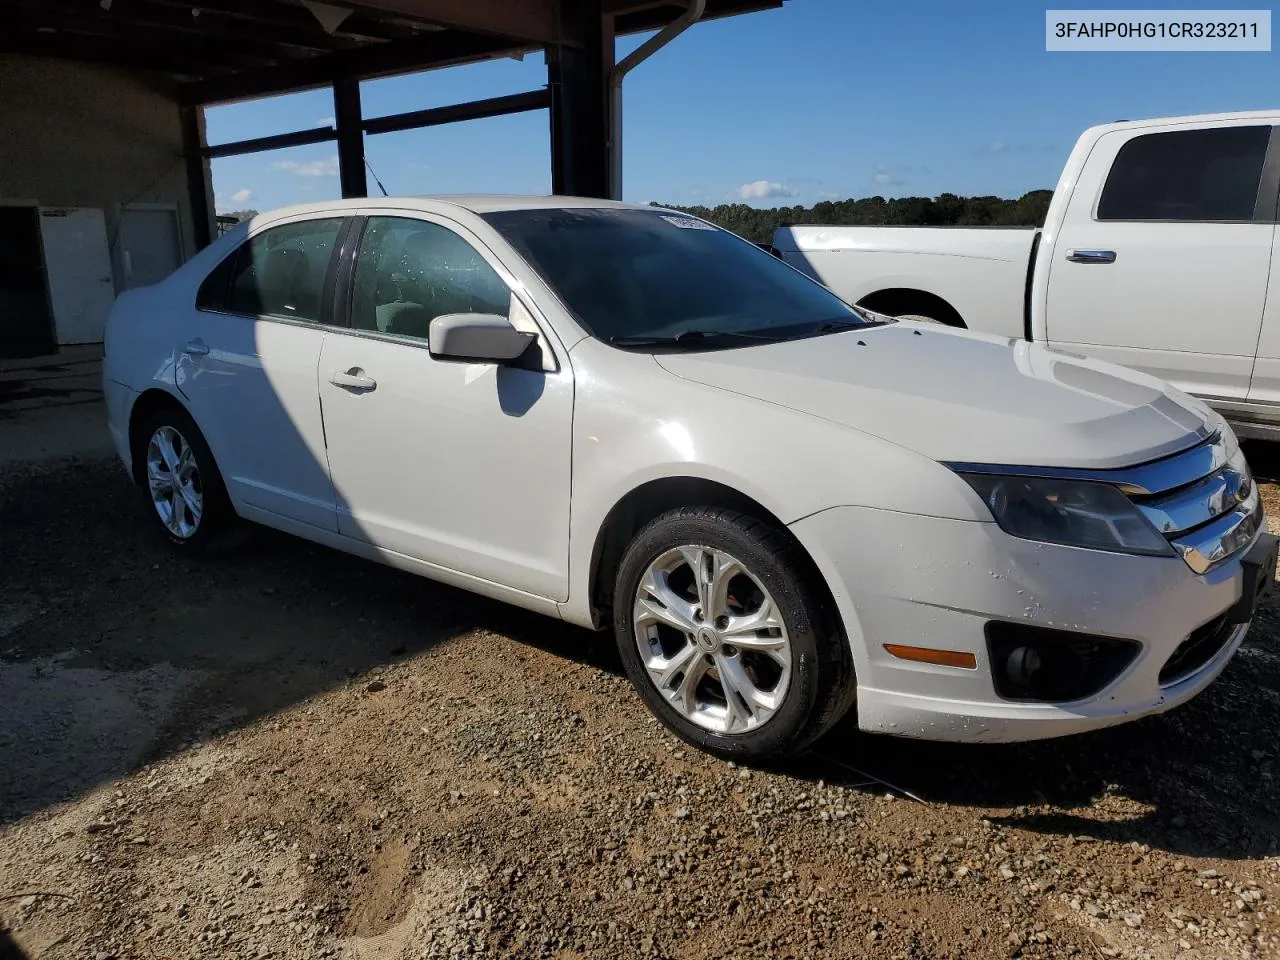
x=175, y=58
x=93, y=19
x=412, y=120
x=429, y=51
x=290, y=17
x=633, y=16
x=297, y=138
x=473, y=110
x=532, y=21
x=198, y=48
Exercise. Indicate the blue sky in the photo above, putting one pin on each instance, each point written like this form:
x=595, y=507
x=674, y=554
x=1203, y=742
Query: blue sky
x=821, y=99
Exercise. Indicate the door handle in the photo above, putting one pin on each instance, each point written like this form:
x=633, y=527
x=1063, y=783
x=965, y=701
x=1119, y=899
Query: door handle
x=196, y=348
x=1091, y=256
x=353, y=379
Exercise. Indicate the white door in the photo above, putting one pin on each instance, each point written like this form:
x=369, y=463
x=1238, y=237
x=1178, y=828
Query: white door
x=78, y=264
x=150, y=248
x=247, y=359
x=465, y=466
x=1162, y=260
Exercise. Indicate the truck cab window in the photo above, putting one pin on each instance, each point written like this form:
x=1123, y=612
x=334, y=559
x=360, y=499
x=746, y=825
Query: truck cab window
x=1193, y=175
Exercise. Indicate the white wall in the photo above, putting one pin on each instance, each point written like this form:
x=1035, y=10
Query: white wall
x=74, y=134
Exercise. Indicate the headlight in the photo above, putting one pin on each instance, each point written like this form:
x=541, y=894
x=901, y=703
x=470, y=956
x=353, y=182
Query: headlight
x=1076, y=513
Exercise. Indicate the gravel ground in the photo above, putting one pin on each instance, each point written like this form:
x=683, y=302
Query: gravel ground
x=291, y=753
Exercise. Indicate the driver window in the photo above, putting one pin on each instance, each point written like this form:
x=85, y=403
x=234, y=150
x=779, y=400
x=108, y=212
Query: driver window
x=411, y=271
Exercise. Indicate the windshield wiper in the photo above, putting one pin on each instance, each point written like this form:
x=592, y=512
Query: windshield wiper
x=690, y=337
x=839, y=326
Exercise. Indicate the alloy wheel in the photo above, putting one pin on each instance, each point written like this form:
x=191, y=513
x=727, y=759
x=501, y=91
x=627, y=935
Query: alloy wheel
x=173, y=477
x=712, y=639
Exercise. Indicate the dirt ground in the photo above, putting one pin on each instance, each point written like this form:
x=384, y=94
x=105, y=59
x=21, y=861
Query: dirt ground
x=291, y=753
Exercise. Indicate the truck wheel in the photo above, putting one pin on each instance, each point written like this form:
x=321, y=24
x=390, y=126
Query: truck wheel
x=726, y=636
x=918, y=305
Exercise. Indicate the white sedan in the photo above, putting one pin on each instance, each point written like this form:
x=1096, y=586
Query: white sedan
x=626, y=417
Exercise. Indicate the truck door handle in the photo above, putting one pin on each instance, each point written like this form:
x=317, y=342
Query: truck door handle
x=1091, y=256
x=196, y=348
x=354, y=380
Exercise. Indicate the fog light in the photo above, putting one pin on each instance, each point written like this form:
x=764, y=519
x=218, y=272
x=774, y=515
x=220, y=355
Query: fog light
x=1030, y=663
x=1022, y=665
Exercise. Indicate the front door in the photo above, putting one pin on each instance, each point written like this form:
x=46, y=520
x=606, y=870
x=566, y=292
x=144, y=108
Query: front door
x=1161, y=262
x=465, y=466
x=247, y=360
x=78, y=265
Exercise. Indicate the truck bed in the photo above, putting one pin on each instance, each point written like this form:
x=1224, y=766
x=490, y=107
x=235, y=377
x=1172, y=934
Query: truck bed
x=981, y=271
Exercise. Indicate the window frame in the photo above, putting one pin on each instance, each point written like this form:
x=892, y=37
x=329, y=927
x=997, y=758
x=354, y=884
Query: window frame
x=326, y=316
x=1265, y=203
x=344, y=283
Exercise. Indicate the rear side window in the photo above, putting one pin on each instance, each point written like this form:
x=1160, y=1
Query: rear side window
x=213, y=292
x=278, y=273
x=1192, y=175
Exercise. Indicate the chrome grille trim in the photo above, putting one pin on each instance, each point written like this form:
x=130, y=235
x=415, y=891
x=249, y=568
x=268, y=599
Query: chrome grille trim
x=1195, y=505
x=1208, y=546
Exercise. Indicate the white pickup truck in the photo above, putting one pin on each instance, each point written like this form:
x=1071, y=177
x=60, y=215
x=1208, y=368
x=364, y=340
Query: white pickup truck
x=1156, y=253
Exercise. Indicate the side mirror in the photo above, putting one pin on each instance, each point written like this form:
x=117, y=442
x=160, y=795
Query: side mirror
x=476, y=338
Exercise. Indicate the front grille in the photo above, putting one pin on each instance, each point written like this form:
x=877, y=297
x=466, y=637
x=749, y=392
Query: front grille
x=1203, y=500
x=1198, y=649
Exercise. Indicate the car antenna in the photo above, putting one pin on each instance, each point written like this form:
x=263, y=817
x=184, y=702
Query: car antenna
x=375, y=176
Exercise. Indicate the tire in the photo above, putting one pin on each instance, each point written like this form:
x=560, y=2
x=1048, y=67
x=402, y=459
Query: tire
x=169, y=436
x=793, y=673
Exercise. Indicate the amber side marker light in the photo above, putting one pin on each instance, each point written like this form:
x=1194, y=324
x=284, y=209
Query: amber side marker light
x=943, y=658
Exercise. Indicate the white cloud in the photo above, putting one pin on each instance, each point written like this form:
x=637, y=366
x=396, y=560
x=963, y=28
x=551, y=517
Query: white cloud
x=313, y=168
x=886, y=179
x=762, y=190
x=828, y=195
x=242, y=196
x=326, y=122
x=998, y=148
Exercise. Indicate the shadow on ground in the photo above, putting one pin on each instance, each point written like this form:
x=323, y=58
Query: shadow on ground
x=115, y=651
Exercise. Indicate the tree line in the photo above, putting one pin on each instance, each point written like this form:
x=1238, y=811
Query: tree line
x=948, y=210
x=758, y=224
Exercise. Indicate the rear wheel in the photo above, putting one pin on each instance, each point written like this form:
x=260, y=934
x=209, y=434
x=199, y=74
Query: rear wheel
x=181, y=483
x=726, y=636
x=913, y=305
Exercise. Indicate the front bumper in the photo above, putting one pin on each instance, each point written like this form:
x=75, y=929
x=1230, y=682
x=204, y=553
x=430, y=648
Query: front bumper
x=931, y=582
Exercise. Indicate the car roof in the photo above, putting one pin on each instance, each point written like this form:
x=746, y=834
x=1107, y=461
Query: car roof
x=474, y=203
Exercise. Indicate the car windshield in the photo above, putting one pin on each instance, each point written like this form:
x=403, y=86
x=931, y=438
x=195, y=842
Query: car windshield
x=645, y=279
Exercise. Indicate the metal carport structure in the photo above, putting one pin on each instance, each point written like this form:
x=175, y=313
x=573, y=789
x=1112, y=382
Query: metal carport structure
x=205, y=52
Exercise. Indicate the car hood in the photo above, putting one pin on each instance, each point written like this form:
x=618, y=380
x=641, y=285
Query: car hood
x=962, y=397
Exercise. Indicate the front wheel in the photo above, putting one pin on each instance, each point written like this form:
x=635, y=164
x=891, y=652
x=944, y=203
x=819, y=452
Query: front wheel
x=728, y=637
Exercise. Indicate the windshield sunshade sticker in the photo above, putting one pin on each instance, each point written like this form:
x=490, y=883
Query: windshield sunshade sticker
x=688, y=223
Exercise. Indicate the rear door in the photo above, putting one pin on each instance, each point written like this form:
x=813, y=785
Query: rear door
x=1163, y=257
x=247, y=364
